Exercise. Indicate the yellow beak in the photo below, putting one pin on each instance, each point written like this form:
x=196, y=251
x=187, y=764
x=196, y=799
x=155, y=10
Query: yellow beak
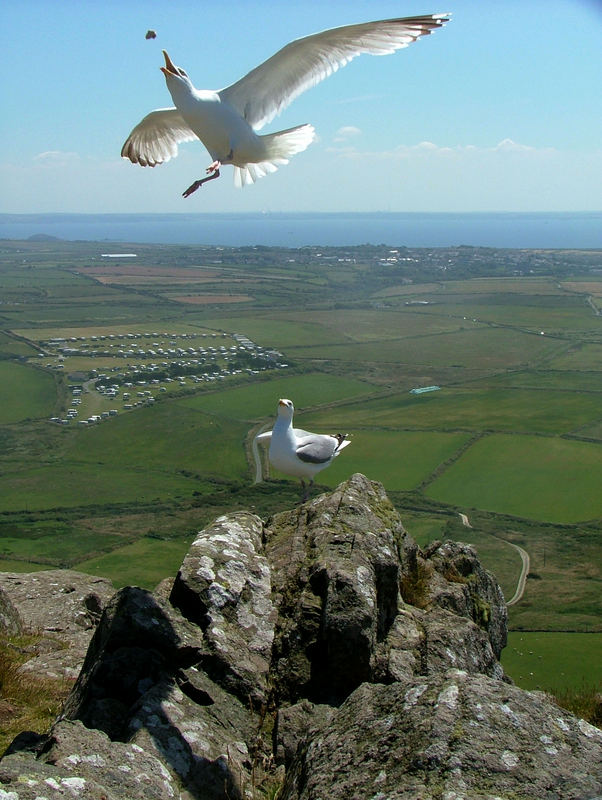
x=169, y=67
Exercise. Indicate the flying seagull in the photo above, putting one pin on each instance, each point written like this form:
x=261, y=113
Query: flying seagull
x=300, y=453
x=227, y=121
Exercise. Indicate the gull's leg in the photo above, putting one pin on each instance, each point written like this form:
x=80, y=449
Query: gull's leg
x=214, y=168
x=306, y=488
x=212, y=173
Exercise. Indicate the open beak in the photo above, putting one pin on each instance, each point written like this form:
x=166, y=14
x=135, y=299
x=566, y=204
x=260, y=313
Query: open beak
x=169, y=68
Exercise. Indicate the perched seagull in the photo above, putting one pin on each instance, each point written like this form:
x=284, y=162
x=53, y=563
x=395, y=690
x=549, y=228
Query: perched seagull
x=226, y=121
x=297, y=452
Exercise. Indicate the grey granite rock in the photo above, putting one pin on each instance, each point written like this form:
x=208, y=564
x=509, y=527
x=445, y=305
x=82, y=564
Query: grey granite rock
x=224, y=586
x=64, y=607
x=453, y=735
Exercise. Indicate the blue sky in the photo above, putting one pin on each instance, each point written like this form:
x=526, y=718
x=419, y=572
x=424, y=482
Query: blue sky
x=499, y=111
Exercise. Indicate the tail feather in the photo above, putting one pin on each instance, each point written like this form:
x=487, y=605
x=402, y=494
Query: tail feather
x=278, y=148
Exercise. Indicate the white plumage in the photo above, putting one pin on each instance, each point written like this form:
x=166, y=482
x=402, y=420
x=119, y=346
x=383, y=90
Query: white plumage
x=297, y=452
x=226, y=121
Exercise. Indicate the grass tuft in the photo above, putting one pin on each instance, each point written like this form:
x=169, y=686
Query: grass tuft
x=585, y=702
x=28, y=702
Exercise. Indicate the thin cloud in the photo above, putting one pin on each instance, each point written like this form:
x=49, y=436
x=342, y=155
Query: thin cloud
x=430, y=149
x=346, y=132
x=54, y=158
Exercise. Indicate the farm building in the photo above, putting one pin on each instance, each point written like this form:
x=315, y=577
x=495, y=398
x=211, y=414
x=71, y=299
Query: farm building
x=423, y=389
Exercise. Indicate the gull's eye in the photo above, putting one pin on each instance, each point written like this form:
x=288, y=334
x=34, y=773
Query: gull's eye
x=182, y=72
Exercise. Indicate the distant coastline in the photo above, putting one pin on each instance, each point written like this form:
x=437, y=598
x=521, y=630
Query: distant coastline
x=563, y=230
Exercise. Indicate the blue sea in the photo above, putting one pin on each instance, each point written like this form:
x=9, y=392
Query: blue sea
x=522, y=230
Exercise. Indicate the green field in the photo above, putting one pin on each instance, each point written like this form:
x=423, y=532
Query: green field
x=548, y=313
x=375, y=325
x=25, y=392
x=11, y=346
x=477, y=409
x=72, y=484
x=143, y=563
x=53, y=543
x=170, y=438
x=545, y=379
x=275, y=328
x=158, y=453
x=478, y=348
x=581, y=356
x=576, y=660
x=399, y=460
x=260, y=400
x=537, y=477
x=425, y=528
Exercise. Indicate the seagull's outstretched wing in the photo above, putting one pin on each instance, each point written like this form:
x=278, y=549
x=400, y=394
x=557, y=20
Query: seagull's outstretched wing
x=155, y=138
x=270, y=87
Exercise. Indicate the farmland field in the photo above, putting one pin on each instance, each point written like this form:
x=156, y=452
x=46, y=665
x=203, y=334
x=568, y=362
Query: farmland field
x=576, y=658
x=542, y=379
x=481, y=348
x=580, y=356
x=475, y=409
x=399, y=459
x=174, y=440
x=67, y=485
x=11, y=346
x=25, y=392
x=375, y=325
x=144, y=562
x=546, y=478
x=158, y=377
x=259, y=401
x=277, y=327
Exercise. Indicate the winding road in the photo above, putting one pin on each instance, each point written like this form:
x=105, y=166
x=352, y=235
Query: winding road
x=526, y=564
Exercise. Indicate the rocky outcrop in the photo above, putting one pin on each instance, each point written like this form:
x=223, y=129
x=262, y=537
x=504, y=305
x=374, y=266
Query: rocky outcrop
x=451, y=735
x=321, y=652
x=61, y=606
x=223, y=586
x=10, y=619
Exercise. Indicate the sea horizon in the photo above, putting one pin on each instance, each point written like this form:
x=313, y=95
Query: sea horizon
x=501, y=229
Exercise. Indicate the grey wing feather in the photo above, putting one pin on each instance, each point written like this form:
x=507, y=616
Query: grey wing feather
x=155, y=138
x=317, y=449
x=272, y=86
